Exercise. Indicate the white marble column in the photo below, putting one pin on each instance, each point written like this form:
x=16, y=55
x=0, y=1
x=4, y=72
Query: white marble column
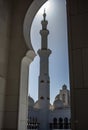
x=23, y=94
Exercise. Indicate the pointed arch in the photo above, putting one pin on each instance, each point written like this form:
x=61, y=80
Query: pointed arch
x=27, y=27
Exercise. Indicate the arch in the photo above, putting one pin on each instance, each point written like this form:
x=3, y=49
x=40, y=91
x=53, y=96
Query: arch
x=60, y=120
x=22, y=120
x=60, y=123
x=66, y=124
x=54, y=120
x=55, y=123
x=65, y=120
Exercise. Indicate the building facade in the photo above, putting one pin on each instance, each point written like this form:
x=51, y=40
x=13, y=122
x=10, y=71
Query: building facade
x=59, y=113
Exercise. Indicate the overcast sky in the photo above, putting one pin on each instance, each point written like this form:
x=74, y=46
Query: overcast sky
x=57, y=42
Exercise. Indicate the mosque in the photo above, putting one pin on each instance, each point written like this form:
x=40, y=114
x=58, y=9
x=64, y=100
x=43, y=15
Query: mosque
x=41, y=114
x=17, y=53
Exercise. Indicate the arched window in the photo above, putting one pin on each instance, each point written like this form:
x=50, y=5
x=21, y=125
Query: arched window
x=66, y=124
x=54, y=120
x=60, y=123
x=65, y=120
x=60, y=120
x=55, y=123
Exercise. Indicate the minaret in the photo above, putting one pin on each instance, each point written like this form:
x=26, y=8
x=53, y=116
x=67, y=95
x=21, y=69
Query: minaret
x=44, y=80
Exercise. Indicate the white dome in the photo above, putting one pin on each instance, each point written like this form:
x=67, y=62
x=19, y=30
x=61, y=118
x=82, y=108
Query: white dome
x=36, y=105
x=51, y=107
x=57, y=97
x=64, y=87
x=58, y=104
x=30, y=101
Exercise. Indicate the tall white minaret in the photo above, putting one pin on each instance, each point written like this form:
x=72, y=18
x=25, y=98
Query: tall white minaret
x=44, y=80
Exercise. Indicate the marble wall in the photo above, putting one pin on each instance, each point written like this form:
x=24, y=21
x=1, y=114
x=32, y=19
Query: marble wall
x=4, y=43
x=78, y=44
x=12, y=49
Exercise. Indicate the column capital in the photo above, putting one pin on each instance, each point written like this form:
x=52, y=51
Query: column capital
x=29, y=57
x=30, y=54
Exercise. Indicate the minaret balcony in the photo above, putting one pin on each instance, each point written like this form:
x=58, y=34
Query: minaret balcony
x=44, y=32
x=44, y=23
x=44, y=52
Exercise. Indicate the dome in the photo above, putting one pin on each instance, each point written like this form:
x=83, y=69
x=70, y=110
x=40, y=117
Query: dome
x=64, y=87
x=58, y=104
x=36, y=105
x=57, y=97
x=30, y=101
x=51, y=107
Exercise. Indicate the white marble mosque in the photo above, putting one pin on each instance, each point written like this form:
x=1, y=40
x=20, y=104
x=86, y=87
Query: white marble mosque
x=41, y=114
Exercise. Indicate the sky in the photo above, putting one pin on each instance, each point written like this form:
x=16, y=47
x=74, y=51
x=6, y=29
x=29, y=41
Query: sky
x=57, y=42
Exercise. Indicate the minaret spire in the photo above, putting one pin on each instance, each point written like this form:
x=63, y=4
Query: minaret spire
x=44, y=32
x=44, y=15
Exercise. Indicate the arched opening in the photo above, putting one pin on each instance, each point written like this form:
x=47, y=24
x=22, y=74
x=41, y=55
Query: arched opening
x=57, y=42
x=60, y=123
x=26, y=34
x=55, y=120
x=62, y=48
x=66, y=124
x=55, y=123
x=61, y=100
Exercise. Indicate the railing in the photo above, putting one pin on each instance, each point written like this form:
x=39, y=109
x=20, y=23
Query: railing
x=33, y=126
x=52, y=126
x=61, y=129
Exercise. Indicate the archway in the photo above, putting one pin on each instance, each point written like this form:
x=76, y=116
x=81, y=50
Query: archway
x=57, y=42
x=27, y=26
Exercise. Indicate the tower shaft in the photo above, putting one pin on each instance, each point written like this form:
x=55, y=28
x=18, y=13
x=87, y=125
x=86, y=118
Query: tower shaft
x=44, y=80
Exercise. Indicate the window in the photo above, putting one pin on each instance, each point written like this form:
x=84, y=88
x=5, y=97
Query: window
x=41, y=97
